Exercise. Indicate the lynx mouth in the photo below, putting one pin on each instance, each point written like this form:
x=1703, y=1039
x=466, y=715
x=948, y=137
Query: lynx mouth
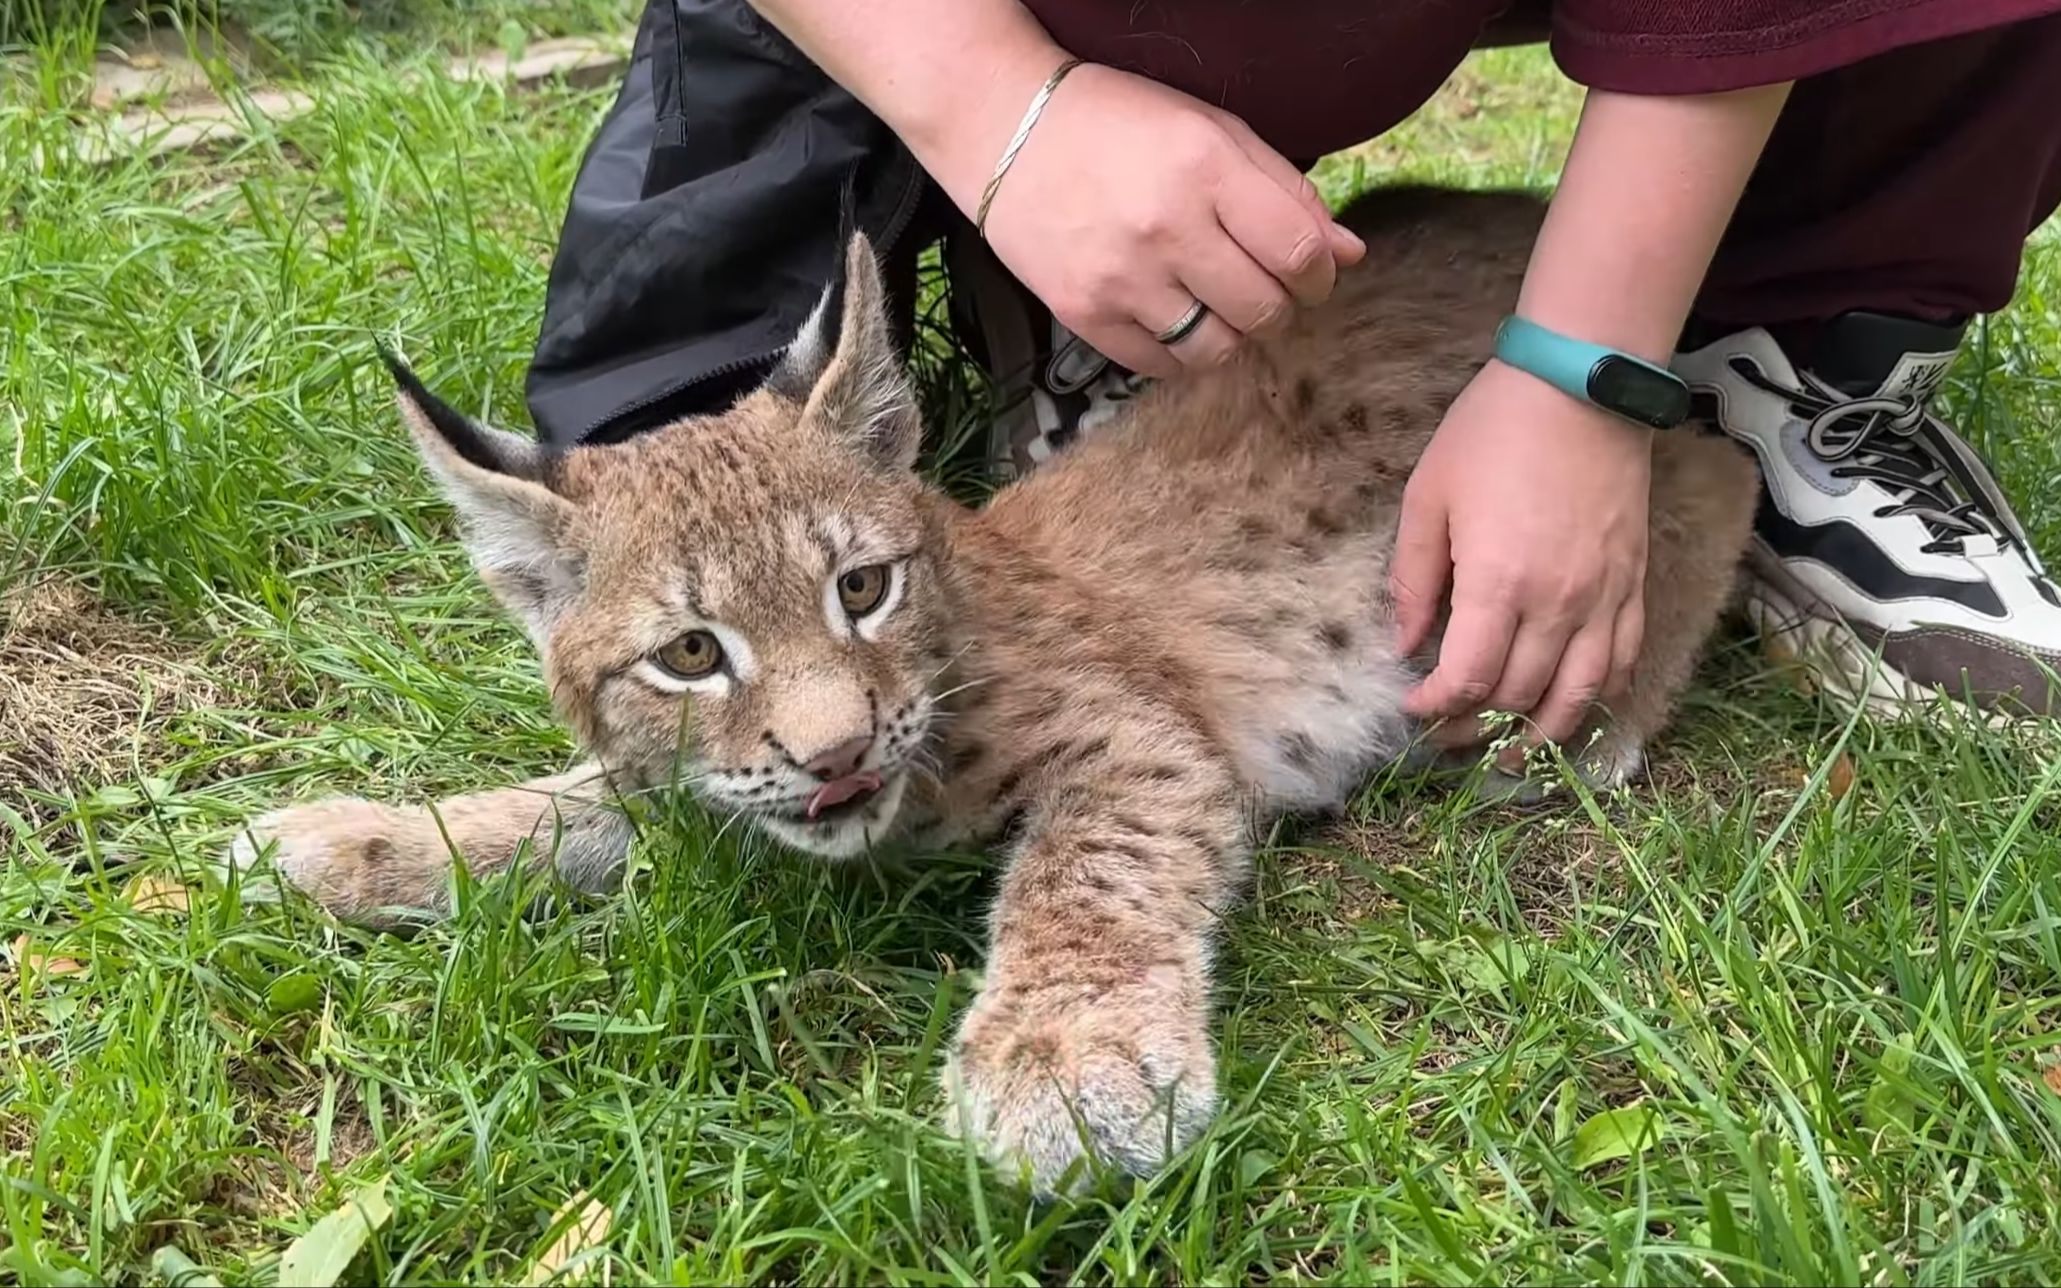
x=841, y=818
x=837, y=803
x=841, y=797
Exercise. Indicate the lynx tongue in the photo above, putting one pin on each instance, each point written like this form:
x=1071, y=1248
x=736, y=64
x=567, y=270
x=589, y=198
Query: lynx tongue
x=839, y=790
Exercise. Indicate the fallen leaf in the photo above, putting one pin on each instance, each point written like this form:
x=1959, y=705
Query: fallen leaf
x=318, y=1258
x=156, y=894
x=291, y=993
x=1564, y=1110
x=2051, y=1075
x=1887, y=1105
x=1840, y=781
x=1479, y=962
x=1254, y=1164
x=584, y=1232
x=180, y=1270
x=29, y=960
x=513, y=38
x=1615, y=1134
x=115, y=796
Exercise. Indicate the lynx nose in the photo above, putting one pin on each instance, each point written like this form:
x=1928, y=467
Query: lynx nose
x=841, y=761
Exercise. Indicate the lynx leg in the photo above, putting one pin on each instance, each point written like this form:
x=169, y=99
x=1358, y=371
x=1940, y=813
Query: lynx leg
x=1092, y=1033
x=383, y=864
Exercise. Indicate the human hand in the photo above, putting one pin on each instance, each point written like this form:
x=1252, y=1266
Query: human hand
x=1534, y=508
x=1130, y=201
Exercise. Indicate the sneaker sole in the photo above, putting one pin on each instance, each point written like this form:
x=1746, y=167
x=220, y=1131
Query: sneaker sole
x=1799, y=631
x=1826, y=655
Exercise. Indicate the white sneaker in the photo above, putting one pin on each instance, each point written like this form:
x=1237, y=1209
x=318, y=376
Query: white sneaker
x=1885, y=557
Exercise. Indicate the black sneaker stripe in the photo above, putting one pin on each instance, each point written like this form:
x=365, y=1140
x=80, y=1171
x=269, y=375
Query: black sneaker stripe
x=1845, y=549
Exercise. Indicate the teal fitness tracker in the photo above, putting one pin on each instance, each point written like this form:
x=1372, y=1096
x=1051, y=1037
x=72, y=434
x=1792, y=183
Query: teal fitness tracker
x=1617, y=382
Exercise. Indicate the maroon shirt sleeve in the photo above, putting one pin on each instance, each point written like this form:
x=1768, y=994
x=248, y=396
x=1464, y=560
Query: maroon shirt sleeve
x=1704, y=46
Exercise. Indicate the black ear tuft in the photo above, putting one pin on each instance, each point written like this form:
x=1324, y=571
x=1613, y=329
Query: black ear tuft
x=474, y=444
x=839, y=276
x=516, y=527
x=822, y=331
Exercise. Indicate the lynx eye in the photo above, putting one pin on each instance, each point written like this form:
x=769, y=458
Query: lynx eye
x=693, y=656
x=862, y=589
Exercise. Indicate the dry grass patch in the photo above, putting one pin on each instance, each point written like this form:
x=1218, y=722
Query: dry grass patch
x=86, y=693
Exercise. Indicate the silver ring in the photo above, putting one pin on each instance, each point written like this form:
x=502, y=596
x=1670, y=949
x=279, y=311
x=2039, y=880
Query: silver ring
x=1187, y=326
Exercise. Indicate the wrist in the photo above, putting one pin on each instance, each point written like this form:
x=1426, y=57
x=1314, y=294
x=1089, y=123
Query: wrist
x=1600, y=376
x=1581, y=426
x=888, y=56
x=1648, y=189
x=1650, y=338
x=1645, y=325
x=959, y=136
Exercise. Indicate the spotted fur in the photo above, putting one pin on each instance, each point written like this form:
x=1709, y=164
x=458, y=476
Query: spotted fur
x=1114, y=672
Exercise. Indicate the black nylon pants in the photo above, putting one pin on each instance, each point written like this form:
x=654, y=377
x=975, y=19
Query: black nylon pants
x=705, y=222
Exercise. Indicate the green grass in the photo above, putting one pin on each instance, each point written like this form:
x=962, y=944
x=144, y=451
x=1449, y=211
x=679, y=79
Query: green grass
x=1829, y=1004
x=290, y=33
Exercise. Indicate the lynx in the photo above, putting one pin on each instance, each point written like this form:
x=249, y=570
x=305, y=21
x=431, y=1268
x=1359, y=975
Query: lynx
x=1115, y=672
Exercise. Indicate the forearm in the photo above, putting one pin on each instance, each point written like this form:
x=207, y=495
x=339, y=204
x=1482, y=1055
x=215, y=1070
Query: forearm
x=950, y=77
x=1649, y=186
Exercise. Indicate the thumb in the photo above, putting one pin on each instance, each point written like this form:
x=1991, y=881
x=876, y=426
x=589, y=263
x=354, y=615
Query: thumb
x=1420, y=570
x=1346, y=246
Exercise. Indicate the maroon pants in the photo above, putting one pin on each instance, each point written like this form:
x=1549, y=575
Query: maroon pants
x=1905, y=182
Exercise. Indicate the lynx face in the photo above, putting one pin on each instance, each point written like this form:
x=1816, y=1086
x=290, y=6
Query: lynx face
x=747, y=604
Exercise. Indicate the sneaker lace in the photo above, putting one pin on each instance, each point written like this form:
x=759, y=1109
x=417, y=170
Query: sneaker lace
x=1892, y=440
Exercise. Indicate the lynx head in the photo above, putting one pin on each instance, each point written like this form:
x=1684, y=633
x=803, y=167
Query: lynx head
x=749, y=603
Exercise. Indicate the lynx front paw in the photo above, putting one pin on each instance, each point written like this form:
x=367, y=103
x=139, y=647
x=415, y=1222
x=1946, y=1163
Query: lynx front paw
x=1039, y=1082
x=362, y=861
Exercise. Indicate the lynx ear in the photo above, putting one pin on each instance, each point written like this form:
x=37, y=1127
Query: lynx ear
x=516, y=528
x=854, y=382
